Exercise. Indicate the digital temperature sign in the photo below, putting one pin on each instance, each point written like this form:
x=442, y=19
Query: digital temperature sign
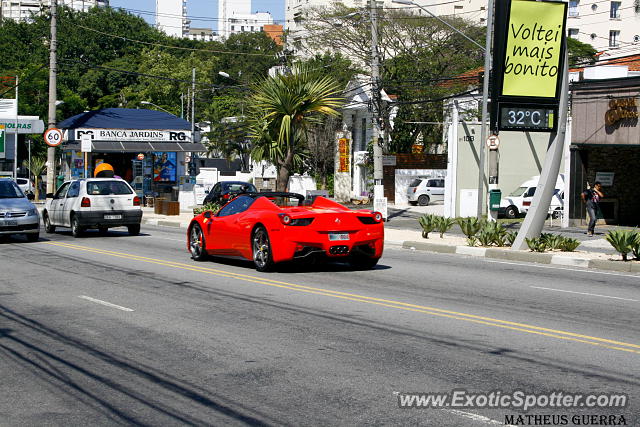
x=527, y=118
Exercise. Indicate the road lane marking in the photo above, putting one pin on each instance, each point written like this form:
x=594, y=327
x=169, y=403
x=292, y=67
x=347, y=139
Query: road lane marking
x=108, y=304
x=522, y=327
x=584, y=293
x=590, y=271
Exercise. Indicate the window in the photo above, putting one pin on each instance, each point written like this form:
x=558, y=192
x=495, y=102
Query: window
x=62, y=191
x=238, y=205
x=614, y=12
x=9, y=190
x=74, y=189
x=530, y=192
x=232, y=27
x=573, y=33
x=107, y=188
x=614, y=35
x=415, y=182
x=573, y=7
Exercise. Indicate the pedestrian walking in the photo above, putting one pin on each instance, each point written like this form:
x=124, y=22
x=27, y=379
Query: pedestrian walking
x=592, y=196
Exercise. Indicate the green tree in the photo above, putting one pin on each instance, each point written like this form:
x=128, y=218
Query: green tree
x=284, y=107
x=580, y=53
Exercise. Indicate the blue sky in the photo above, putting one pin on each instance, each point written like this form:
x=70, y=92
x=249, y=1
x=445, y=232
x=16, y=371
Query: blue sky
x=200, y=8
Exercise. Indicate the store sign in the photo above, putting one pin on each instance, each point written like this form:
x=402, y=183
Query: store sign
x=25, y=126
x=388, y=160
x=136, y=135
x=605, y=178
x=344, y=152
x=620, y=109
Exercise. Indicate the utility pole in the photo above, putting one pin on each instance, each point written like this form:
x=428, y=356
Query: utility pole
x=191, y=169
x=378, y=188
x=51, y=151
x=482, y=194
x=15, y=135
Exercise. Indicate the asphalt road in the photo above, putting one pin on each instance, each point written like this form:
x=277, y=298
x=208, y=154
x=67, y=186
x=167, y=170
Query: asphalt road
x=129, y=330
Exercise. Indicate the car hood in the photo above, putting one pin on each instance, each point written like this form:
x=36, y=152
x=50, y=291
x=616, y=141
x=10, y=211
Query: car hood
x=16, y=204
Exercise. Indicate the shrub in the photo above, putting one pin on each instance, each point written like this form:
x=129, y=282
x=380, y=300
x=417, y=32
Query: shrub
x=485, y=237
x=428, y=223
x=213, y=207
x=623, y=241
x=444, y=224
x=553, y=241
x=537, y=244
x=569, y=244
x=469, y=226
x=511, y=237
x=472, y=240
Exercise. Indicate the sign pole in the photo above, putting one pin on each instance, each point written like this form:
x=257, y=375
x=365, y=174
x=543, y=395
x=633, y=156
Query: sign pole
x=534, y=221
x=15, y=134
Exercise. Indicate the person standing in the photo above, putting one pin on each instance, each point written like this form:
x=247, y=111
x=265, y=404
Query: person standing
x=592, y=198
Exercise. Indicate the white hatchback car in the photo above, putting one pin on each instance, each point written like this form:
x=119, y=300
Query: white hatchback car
x=100, y=203
x=26, y=185
x=423, y=191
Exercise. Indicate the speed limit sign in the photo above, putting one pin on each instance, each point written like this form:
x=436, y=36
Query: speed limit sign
x=53, y=137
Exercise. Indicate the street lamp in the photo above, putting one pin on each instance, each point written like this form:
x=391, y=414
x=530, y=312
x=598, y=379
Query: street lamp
x=157, y=106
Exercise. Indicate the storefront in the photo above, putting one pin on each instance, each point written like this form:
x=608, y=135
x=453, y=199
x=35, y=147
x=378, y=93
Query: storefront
x=149, y=149
x=605, y=147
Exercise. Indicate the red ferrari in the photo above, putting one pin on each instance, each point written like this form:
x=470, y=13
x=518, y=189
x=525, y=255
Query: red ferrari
x=269, y=228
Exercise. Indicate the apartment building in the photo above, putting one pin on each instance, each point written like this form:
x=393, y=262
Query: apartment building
x=171, y=17
x=234, y=16
x=22, y=10
x=612, y=27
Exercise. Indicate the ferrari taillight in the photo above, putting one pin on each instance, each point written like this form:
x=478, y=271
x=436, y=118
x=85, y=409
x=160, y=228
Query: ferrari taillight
x=285, y=219
x=225, y=196
x=377, y=216
x=86, y=202
x=136, y=201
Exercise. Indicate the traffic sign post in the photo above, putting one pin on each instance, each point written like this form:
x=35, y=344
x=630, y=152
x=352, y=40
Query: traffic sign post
x=53, y=137
x=85, y=147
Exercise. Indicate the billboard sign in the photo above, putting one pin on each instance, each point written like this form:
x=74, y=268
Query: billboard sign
x=529, y=49
x=2, y=142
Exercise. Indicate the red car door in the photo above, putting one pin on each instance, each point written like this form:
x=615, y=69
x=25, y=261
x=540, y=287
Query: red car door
x=232, y=229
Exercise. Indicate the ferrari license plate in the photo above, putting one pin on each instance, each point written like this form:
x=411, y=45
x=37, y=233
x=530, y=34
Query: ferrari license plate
x=8, y=222
x=338, y=236
x=113, y=217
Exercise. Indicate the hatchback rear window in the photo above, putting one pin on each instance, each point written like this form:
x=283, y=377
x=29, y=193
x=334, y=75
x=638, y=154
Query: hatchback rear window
x=415, y=182
x=107, y=188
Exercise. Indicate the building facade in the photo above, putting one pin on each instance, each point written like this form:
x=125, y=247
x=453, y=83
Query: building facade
x=234, y=16
x=22, y=10
x=171, y=17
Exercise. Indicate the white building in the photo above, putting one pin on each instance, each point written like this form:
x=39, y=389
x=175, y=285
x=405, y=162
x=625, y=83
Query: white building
x=21, y=10
x=296, y=11
x=202, y=34
x=171, y=17
x=612, y=27
x=234, y=16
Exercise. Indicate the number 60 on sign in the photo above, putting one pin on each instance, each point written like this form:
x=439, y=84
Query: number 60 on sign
x=53, y=137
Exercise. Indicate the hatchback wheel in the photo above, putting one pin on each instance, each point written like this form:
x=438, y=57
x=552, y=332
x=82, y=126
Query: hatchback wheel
x=76, y=229
x=134, y=229
x=423, y=200
x=511, y=212
x=197, y=243
x=262, y=257
x=48, y=227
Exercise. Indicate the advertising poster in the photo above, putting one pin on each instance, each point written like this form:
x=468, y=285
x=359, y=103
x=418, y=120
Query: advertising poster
x=164, y=167
x=1, y=141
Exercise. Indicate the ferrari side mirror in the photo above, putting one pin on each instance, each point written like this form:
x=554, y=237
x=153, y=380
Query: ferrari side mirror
x=207, y=214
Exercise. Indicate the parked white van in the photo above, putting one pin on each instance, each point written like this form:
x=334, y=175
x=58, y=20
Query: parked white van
x=519, y=200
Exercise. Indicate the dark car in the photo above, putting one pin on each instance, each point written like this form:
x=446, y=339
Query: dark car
x=225, y=190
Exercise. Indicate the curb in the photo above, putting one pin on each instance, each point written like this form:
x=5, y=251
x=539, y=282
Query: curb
x=533, y=257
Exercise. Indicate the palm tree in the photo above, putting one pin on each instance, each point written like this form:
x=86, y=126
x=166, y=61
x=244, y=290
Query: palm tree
x=38, y=166
x=283, y=108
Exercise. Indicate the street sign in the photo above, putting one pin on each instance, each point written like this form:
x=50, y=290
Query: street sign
x=85, y=143
x=53, y=137
x=140, y=156
x=187, y=159
x=493, y=142
x=380, y=205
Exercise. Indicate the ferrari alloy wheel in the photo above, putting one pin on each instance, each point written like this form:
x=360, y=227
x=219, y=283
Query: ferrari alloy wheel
x=262, y=250
x=196, y=243
x=76, y=229
x=48, y=227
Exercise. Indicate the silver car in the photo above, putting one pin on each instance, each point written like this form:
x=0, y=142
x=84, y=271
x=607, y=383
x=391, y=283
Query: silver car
x=423, y=191
x=17, y=214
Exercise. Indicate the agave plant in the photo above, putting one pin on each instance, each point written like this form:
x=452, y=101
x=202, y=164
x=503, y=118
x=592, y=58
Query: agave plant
x=472, y=240
x=622, y=241
x=554, y=241
x=469, y=226
x=511, y=237
x=485, y=237
x=428, y=223
x=536, y=244
x=444, y=224
x=213, y=207
x=569, y=244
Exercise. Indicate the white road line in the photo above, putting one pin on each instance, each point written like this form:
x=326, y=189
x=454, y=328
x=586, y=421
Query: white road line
x=584, y=293
x=590, y=271
x=108, y=304
x=476, y=417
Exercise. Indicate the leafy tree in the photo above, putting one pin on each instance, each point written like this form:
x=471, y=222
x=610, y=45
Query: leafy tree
x=580, y=53
x=284, y=107
x=37, y=168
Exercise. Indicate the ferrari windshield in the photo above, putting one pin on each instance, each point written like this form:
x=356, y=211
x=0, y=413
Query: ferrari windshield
x=9, y=190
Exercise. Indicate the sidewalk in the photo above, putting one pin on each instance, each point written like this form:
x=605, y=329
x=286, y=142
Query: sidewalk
x=596, y=253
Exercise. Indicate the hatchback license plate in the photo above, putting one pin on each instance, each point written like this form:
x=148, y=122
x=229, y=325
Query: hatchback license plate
x=8, y=222
x=338, y=236
x=113, y=217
